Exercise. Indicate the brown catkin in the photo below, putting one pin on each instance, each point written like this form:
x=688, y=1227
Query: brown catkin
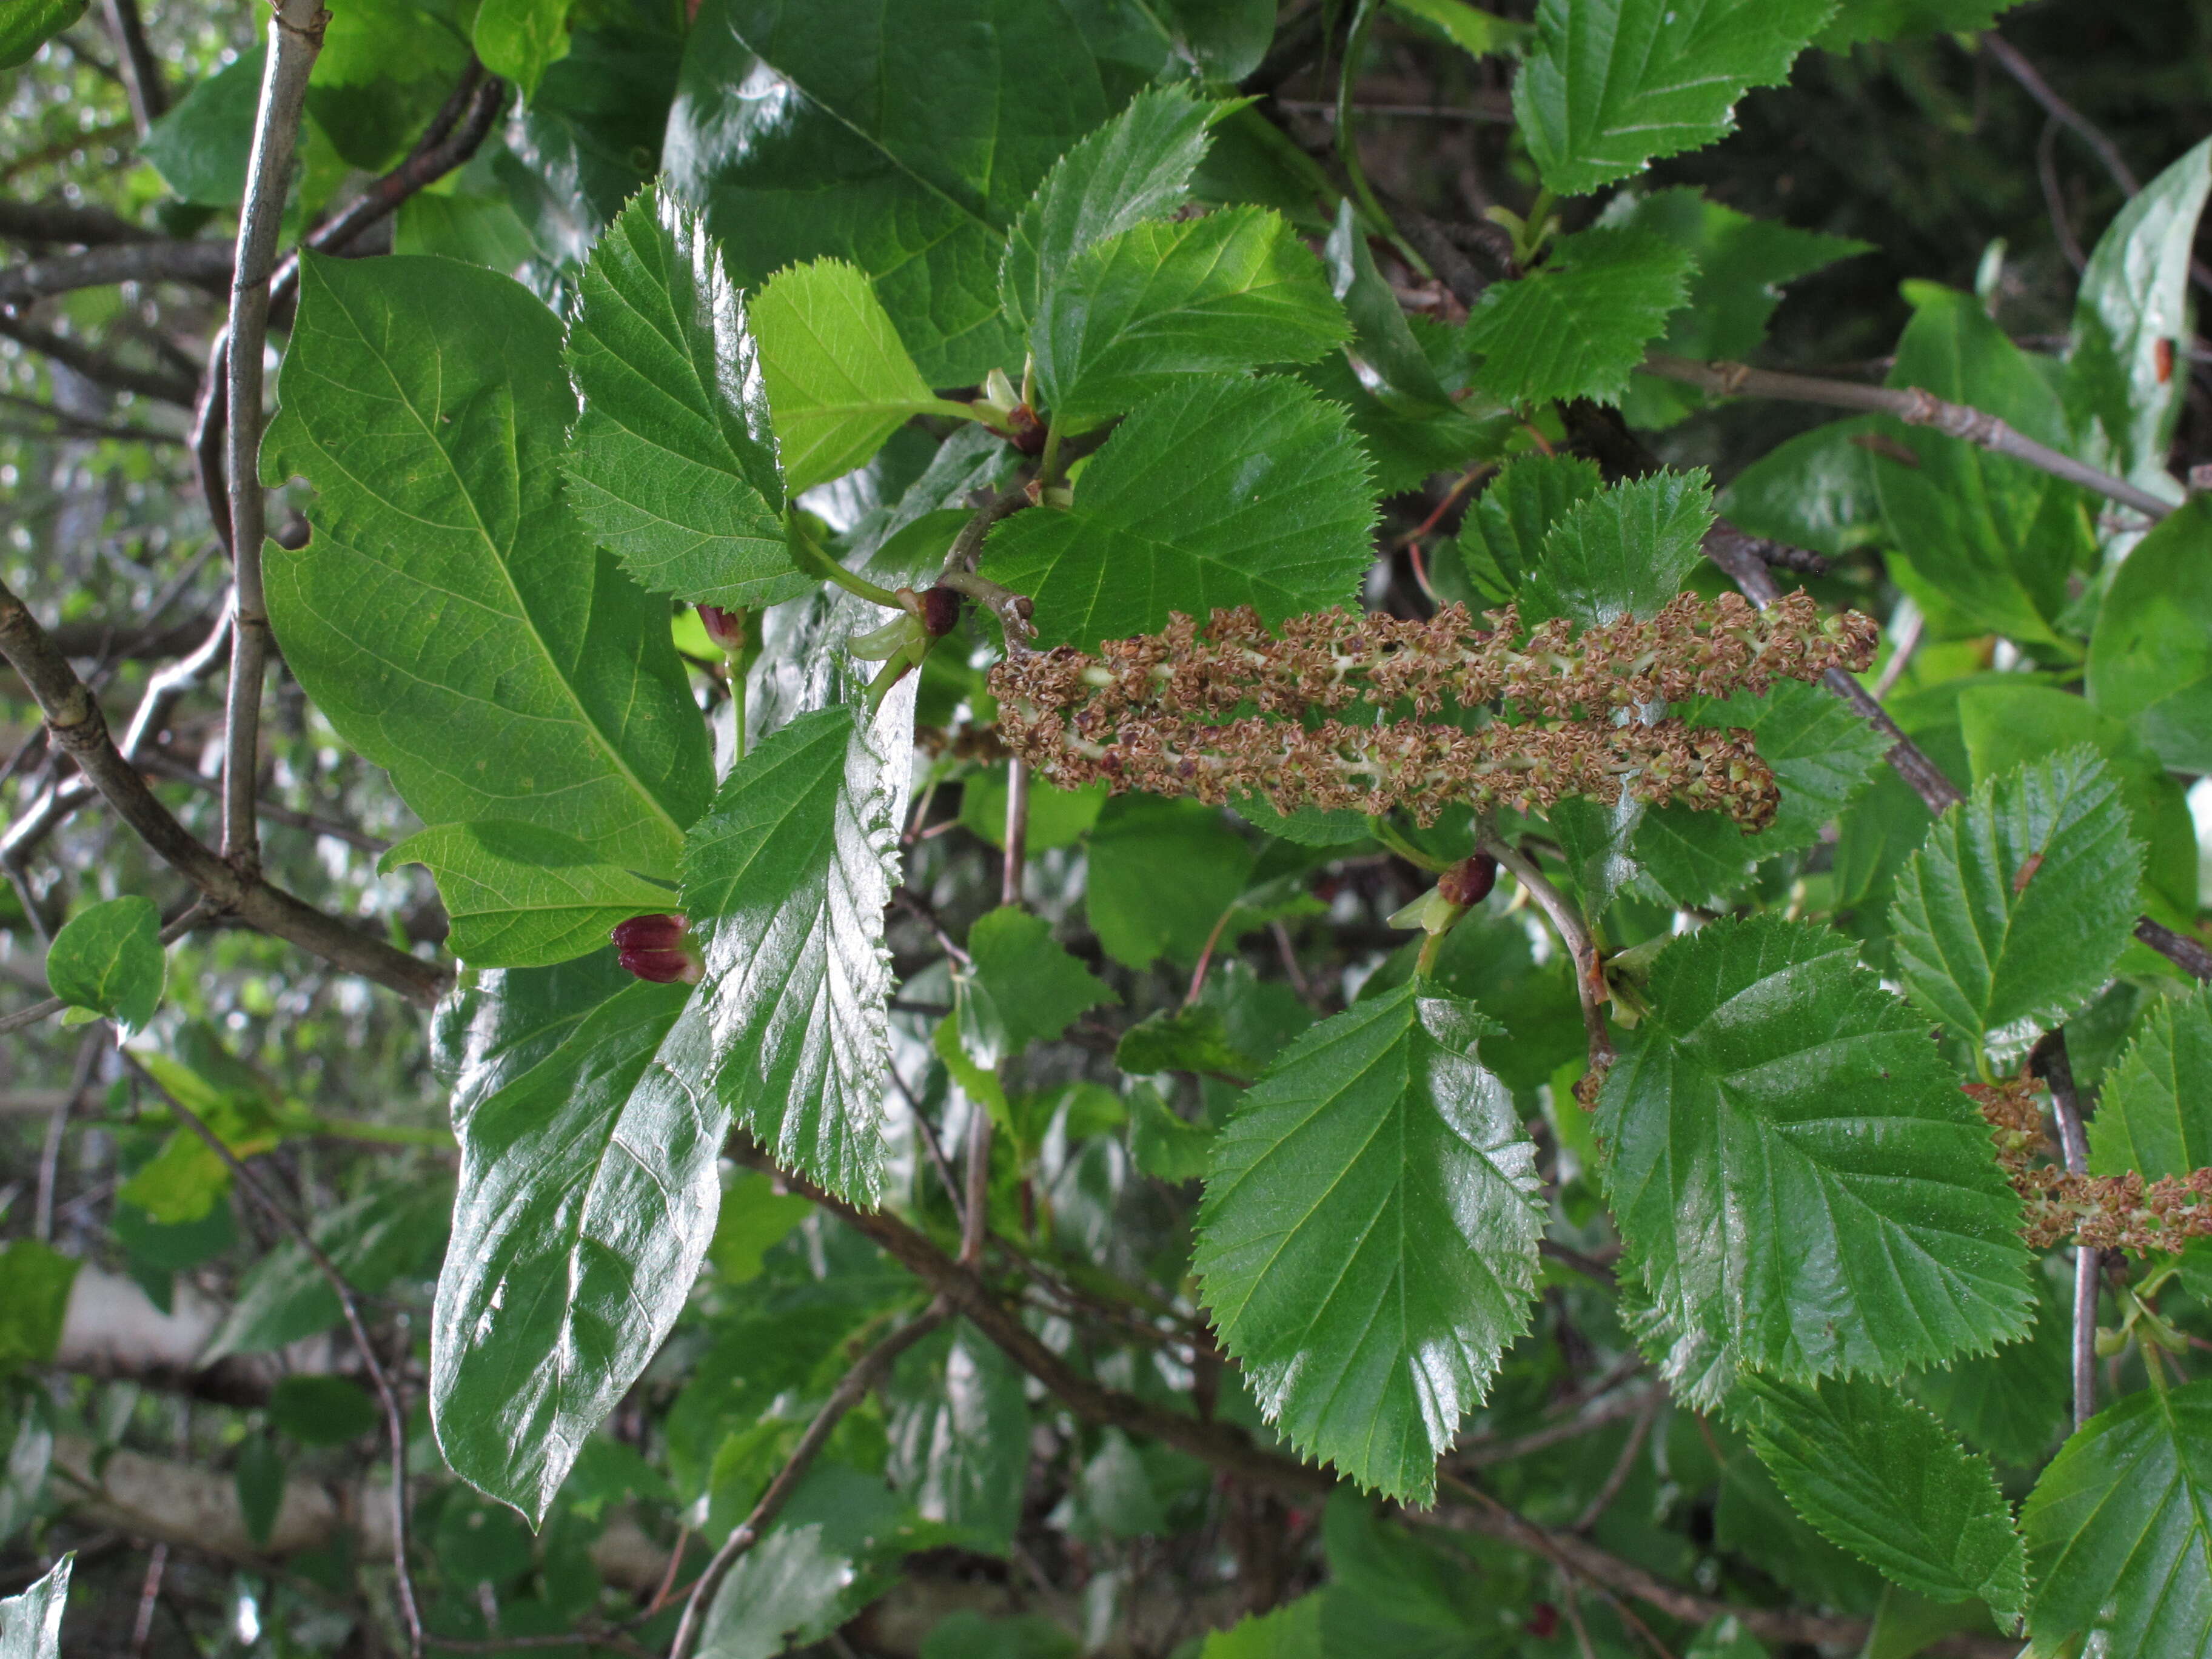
x=1231, y=709
x=2106, y=1212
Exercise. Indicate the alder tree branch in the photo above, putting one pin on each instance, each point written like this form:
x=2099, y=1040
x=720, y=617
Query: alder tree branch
x=203, y=264
x=140, y=70
x=395, y=1418
x=871, y=1369
x=58, y=221
x=1912, y=406
x=2050, y=1061
x=74, y=721
x=165, y=386
x=296, y=37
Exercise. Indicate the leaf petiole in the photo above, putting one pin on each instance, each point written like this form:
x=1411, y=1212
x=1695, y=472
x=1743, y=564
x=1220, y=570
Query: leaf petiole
x=815, y=562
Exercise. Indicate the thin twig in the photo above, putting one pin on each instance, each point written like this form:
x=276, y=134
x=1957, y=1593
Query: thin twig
x=95, y=366
x=1901, y=658
x=1910, y=405
x=140, y=71
x=50, y=1155
x=1566, y=920
x=871, y=1367
x=79, y=728
x=59, y=221
x=2007, y=57
x=2050, y=1061
x=150, y=1595
x=1481, y=1452
x=395, y=1419
x=1639, y=1432
x=295, y=37
x=202, y=265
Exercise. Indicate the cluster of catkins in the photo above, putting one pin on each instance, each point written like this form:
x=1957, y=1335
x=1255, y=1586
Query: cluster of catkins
x=2106, y=1212
x=1229, y=709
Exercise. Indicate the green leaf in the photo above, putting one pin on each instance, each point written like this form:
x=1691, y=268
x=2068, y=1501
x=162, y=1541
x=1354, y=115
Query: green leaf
x=107, y=958
x=1227, y=39
x=1160, y=302
x=785, y=880
x=522, y=896
x=673, y=465
x=2011, y=915
x=792, y=1586
x=1624, y=552
x=1822, y=754
x=520, y=39
x=1137, y=167
x=1165, y=1145
x=2154, y=1111
x=1609, y=84
x=1161, y=873
x=1883, y=1478
x=1577, y=326
x=2119, y=1542
x=589, y=1189
x=1021, y=986
x=35, y=1292
x=2017, y=1403
x=30, y=26
x=1218, y=492
x=755, y=1217
x=2126, y=374
x=321, y=1411
x=1368, y=1238
x=1741, y=265
x=392, y=1229
x=1899, y=20
x=1291, y=1630
x=1194, y=1039
x=1993, y=536
x=494, y=1025
x=1817, y=490
x=1478, y=33
x=31, y=1623
x=1383, y=337
x=838, y=379
x=199, y=148
x=1725, y=1637
x=959, y=1433
x=1801, y=1185
x=910, y=162
x=2150, y=659
x=1501, y=540
x=450, y=617
x=1394, y=1595
x=259, y=1479
x=968, y=1634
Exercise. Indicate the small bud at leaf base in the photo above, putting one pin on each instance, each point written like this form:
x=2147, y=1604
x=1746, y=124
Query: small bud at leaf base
x=941, y=611
x=654, y=948
x=727, y=628
x=1469, y=882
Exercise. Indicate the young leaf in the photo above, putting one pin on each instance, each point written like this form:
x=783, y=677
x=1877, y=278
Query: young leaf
x=1578, y=324
x=1161, y=302
x=1885, y=1479
x=1165, y=1145
x=1609, y=84
x=1992, y=536
x=450, y=617
x=1022, y=988
x=520, y=39
x=108, y=958
x=1194, y=1039
x=1368, y=1237
x=1380, y=331
x=31, y=1621
x=838, y=379
x=1218, y=492
x=959, y=1432
x=673, y=465
x=1802, y=1187
x=1161, y=873
x=1624, y=552
x=1501, y=539
x=522, y=896
x=201, y=146
x=589, y=1189
x=909, y=162
x=35, y=1292
x=2012, y=913
x=2119, y=1542
x=2150, y=659
x=1291, y=1630
x=2131, y=319
x=785, y=880
x=1137, y=167
x=2154, y=1111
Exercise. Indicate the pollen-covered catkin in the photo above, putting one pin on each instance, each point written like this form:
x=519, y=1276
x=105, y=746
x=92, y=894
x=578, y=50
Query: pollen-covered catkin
x=1229, y=709
x=2106, y=1212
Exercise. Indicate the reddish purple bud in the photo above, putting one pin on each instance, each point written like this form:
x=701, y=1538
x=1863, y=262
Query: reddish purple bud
x=941, y=611
x=1543, y=1620
x=726, y=628
x=1029, y=432
x=654, y=948
x=1469, y=882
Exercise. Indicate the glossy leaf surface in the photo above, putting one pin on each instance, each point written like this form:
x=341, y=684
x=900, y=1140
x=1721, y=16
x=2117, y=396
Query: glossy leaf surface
x=523, y=896
x=1577, y=324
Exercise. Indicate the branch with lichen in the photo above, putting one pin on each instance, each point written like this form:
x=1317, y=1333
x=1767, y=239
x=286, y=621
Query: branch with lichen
x=2103, y=1212
x=1230, y=708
